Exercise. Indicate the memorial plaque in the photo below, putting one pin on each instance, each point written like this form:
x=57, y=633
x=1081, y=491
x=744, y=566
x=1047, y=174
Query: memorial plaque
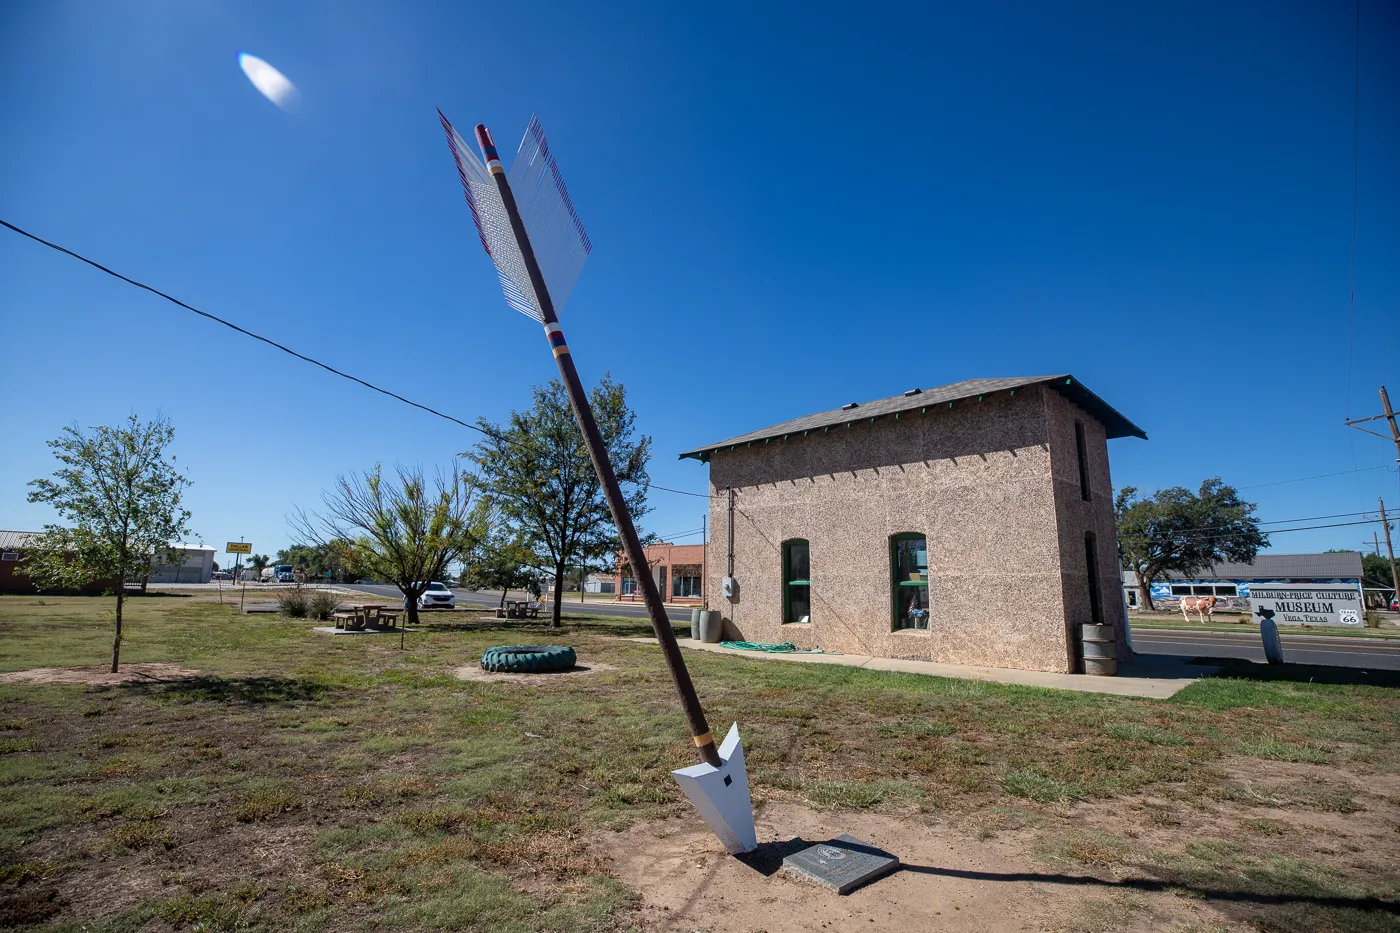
x=843, y=864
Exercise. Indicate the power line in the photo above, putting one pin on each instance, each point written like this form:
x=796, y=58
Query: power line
x=682, y=492
x=285, y=349
x=1311, y=518
x=1355, y=173
x=433, y=411
x=1395, y=329
x=247, y=333
x=1279, y=531
x=666, y=536
x=1318, y=476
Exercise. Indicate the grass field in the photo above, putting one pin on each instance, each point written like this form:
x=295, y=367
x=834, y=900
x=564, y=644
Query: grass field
x=308, y=782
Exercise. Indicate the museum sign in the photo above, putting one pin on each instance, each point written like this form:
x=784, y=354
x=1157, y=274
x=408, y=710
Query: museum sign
x=1306, y=604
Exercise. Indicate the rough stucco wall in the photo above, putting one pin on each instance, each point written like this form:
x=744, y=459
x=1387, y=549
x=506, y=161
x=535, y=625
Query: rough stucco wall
x=974, y=479
x=1075, y=517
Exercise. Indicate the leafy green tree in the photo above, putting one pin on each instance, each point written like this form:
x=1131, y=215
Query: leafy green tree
x=121, y=495
x=336, y=556
x=404, y=529
x=1377, y=568
x=502, y=562
x=536, y=471
x=257, y=562
x=1178, y=530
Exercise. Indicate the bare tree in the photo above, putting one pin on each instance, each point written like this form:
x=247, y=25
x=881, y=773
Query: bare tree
x=404, y=529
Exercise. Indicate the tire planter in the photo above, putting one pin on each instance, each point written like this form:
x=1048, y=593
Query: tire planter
x=528, y=659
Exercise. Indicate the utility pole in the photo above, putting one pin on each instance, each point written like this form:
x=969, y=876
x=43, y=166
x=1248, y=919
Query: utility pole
x=1388, y=414
x=705, y=561
x=1390, y=553
x=1389, y=417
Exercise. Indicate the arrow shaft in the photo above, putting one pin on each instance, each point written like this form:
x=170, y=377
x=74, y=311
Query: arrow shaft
x=597, y=452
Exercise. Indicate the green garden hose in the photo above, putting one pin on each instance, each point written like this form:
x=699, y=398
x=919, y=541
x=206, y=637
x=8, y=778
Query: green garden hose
x=786, y=647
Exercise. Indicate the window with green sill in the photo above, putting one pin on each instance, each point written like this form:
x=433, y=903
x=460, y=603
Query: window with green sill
x=909, y=581
x=797, y=584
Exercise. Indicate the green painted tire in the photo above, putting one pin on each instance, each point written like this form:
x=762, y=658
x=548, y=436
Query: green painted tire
x=528, y=659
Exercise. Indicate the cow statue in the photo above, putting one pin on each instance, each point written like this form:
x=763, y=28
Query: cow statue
x=1203, y=606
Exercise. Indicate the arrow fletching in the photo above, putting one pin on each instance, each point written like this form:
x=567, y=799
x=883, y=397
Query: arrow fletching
x=556, y=234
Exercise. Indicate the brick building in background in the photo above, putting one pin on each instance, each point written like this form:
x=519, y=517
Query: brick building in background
x=189, y=564
x=969, y=524
x=676, y=568
x=13, y=579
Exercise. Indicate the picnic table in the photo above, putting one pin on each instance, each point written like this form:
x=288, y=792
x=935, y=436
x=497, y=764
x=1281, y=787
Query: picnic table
x=519, y=609
x=359, y=616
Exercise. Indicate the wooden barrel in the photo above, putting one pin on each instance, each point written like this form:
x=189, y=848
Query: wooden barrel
x=1100, y=650
x=711, y=626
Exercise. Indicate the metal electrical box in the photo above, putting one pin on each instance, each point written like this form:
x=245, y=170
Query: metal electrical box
x=730, y=587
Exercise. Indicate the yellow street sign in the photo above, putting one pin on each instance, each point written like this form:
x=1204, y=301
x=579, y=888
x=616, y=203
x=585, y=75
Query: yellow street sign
x=239, y=547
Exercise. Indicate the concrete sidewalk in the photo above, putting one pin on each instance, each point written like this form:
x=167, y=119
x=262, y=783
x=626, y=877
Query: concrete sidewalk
x=1152, y=676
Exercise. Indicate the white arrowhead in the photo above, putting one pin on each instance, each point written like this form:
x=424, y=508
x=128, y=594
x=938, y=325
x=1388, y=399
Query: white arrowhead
x=722, y=795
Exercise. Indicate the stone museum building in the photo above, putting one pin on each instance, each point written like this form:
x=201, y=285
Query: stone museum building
x=966, y=524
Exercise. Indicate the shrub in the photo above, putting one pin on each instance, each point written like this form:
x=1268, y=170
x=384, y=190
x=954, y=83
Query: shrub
x=293, y=602
x=1373, y=620
x=322, y=605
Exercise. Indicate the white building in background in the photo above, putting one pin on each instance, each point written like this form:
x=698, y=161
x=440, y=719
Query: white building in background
x=190, y=565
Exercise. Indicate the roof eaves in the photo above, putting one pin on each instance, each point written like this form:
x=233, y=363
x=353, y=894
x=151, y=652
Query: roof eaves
x=922, y=400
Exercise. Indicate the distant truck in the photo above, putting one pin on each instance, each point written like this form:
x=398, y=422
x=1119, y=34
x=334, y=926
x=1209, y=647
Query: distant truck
x=282, y=573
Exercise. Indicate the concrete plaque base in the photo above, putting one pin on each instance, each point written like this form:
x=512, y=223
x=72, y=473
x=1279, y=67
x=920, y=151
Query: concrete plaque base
x=843, y=864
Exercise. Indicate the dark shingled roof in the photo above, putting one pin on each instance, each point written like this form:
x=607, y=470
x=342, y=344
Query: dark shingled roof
x=1283, y=567
x=1065, y=384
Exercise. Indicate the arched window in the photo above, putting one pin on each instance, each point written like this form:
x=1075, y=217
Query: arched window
x=909, y=581
x=797, y=581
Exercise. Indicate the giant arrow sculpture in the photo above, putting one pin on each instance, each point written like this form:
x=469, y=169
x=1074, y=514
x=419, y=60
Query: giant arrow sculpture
x=538, y=246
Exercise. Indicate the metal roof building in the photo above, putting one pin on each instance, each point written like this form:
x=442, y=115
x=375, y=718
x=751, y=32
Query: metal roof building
x=881, y=528
x=1231, y=582
x=1334, y=565
x=921, y=400
x=13, y=540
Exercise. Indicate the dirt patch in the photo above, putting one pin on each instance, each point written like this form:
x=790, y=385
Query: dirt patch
x=949, y=881
x=100, y=675
x=474, y=672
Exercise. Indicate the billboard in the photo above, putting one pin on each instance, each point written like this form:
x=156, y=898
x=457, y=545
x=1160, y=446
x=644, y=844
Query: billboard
x=1307, y=604
x=238, y=547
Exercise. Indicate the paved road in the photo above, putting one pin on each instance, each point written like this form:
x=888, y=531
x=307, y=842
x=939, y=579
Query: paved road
x=1336, y=650
x=492, y=600
x=1364, y=653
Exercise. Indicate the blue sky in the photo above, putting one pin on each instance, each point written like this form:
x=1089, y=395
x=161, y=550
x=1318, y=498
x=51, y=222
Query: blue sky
x=792, y=206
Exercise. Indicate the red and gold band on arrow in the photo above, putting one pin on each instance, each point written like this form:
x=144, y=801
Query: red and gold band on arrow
x=488, y=150
x=556, y=339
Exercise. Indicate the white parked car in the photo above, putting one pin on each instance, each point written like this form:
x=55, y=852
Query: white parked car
x=437, y=596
